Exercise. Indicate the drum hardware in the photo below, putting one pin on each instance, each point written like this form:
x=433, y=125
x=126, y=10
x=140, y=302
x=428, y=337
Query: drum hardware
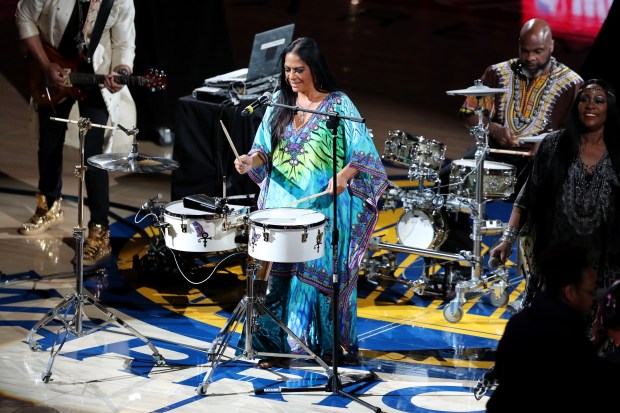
x=463, y=257
x=459, y=204
x=73, y=322
x=248, y=309
x=453, y=311
x=426, y=198
x=202, y=202
x=382, y=268
x=424, y=176
x=391, y=197
x=492, y=227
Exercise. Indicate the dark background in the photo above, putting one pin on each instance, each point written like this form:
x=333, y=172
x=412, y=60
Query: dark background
x=409, y=52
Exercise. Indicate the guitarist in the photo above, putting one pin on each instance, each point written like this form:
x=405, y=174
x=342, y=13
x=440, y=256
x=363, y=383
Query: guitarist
x=100, y=36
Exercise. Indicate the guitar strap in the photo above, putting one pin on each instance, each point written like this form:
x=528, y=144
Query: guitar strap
x=102, y=17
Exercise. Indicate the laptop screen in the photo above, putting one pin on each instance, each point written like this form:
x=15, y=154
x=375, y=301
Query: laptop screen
x=266, y=50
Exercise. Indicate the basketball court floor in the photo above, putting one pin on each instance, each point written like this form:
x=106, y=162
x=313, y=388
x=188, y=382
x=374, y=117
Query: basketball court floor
x=154, y=328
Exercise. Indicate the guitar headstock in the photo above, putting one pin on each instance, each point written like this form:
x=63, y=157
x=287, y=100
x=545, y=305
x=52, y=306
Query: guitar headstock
x=155, y=80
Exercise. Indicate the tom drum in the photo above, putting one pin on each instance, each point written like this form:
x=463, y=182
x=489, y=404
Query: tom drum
x=415, y=152
x=498, y=179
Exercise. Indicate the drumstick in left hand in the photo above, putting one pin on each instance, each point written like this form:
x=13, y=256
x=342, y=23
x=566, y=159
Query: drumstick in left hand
x=299, y=201
x=232, y=145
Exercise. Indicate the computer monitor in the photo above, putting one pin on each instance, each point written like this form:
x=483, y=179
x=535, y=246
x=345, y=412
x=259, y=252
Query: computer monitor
x=266, y=50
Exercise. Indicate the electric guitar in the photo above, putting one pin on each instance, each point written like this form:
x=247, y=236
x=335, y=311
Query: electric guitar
x=47, y=94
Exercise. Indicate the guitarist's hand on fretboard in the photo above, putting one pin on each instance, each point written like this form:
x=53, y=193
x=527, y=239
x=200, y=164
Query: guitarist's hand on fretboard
x=56, y=76
x=109, y=81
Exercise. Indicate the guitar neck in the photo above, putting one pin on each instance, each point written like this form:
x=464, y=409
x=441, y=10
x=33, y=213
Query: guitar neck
x=96, y=79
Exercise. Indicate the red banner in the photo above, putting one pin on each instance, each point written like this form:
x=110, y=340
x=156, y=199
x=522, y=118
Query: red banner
x=570, y=19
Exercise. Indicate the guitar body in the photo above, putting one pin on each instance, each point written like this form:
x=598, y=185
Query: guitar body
x=43, y=92
x=46, y=94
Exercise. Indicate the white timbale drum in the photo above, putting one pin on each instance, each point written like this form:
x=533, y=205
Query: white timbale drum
x=191, y=230
x=286, y=235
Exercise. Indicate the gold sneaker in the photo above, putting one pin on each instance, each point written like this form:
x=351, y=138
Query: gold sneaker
x=44, y=218
x=97, y=246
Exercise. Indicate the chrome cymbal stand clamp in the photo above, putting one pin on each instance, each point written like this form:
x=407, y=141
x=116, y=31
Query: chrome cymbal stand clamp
x=69, y=312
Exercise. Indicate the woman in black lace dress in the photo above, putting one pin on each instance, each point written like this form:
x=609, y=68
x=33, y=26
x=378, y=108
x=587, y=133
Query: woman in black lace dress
x=573, y=189
x=571, y=196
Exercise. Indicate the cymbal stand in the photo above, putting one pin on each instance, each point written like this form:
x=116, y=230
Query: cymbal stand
x=453, y=311
x=248, y=309
x=69, y=312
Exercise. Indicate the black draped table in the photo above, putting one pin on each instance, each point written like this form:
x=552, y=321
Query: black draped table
x=203, y=152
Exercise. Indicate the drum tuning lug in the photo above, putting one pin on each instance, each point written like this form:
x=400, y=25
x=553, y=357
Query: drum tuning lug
x=438, y=201
x=319, y=240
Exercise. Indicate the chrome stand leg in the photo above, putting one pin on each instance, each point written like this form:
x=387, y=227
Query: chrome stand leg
x=248, y=309
x=72, y=323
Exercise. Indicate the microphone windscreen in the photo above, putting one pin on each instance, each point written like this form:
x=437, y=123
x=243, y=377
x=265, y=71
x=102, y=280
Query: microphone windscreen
x=494, y=262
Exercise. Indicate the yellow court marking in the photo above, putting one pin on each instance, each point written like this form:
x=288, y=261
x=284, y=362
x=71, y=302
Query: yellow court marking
x=427, y=360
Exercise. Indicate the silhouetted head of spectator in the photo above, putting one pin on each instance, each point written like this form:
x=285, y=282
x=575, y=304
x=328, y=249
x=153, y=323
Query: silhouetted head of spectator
x=567, y=275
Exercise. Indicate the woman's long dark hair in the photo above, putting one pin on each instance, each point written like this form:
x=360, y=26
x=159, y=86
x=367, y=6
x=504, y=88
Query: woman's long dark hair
x=309, y=51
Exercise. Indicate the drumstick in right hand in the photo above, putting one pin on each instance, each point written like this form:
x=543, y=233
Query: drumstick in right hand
x=299, y=201
x=232, y=145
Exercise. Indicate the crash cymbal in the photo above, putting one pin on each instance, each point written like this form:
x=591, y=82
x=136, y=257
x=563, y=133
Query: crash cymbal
x=478, y=89
x=132, y=163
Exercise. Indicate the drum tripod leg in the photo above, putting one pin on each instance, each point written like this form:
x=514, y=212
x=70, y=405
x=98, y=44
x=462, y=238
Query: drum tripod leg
x=221, y=341
x=247, y=310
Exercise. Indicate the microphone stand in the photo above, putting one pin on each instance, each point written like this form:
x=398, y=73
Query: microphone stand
x=72, y=323
x=334, y=384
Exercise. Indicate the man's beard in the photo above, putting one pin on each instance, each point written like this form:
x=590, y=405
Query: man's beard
x=537, y=71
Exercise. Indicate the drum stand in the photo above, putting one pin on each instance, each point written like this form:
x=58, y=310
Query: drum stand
x=498, y=279
x=248, y=309
x=453, y=311
x=70, y=310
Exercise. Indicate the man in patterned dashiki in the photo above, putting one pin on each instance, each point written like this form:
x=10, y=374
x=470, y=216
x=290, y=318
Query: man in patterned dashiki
x=538, y=97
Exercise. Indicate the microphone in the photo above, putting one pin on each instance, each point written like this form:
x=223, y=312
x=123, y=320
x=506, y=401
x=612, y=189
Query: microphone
x=494, y=262
x=265, y=97
x=151, y=202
